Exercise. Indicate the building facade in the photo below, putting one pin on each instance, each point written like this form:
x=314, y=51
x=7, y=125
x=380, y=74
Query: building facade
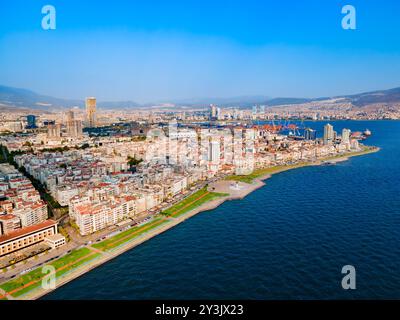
x=26, y=237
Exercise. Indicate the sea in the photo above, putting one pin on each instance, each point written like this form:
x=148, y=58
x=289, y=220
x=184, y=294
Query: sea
x=287, y=240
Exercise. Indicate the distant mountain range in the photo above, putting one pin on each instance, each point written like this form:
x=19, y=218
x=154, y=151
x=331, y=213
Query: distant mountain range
x=25, y=99
x=22, y=99
x=381, y=96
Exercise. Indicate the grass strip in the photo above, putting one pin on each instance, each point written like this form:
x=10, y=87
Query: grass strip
x=128, y=235
x=193, y=201
x=32, y=280
x=276, y=169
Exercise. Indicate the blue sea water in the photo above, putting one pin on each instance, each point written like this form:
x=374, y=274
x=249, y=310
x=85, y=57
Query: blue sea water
x=287, y=240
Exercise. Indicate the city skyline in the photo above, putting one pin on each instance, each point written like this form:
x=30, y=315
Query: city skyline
x=199, y=150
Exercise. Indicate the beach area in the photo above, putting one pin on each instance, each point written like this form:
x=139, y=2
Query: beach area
x=226, y=189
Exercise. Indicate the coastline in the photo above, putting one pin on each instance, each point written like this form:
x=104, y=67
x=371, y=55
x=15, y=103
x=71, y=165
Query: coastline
x=225, y=185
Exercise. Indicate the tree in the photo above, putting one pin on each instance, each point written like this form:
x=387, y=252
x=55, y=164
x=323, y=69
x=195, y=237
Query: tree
x=133, y=161
x=27, y=144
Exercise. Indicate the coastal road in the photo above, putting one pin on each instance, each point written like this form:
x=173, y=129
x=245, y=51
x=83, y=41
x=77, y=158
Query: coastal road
x=36, y=261
x=77, y=240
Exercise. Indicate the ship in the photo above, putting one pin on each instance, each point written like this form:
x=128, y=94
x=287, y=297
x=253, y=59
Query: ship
x=367, y=133
x=358, y=135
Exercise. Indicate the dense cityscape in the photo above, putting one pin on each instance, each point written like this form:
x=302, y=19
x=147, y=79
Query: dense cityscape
x=200, y=158
x=68, y=180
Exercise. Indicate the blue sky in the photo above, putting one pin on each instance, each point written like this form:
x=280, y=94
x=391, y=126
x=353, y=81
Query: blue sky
x=163, y=50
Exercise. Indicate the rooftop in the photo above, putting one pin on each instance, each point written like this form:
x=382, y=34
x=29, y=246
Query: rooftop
x=26, y=230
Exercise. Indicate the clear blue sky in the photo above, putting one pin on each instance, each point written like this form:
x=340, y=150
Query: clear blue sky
x=161, y=50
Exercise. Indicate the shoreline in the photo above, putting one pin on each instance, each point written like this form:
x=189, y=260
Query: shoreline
x=237, y=194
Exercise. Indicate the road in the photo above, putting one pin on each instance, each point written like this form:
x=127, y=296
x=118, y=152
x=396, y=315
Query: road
x=36, y=261
x=76, y=240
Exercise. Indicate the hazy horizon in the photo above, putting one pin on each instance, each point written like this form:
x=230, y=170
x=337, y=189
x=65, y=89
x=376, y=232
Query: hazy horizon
x=169, y=51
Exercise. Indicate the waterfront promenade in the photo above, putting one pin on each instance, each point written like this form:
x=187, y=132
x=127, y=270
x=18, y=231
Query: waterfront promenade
x=230, y=190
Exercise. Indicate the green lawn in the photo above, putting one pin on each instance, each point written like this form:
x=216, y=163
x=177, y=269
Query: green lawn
x=271, y=170
x=37, y=274
x=261, y=172
x=129, y=234
x=191, y=202
x=365, y=150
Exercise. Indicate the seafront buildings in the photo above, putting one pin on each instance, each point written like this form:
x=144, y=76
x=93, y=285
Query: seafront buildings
x=24, y=219
x=45, y=231
x=101, y=188
x=329, y=134
x=123, y=167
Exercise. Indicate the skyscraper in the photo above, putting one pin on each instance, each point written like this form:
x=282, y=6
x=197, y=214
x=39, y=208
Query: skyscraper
x=346, y=136
x=213, y=112
x=214, y=152
x=91, y=111
x=31, y=121
x=54, y=131
x=77, y=128
x=310, y=134
x=218, y=113
x=74, y=127
x=328, y=134
x=70, y=116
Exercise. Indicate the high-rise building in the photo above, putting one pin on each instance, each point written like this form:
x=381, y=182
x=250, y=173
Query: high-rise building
x=31, y=121
x=346, y=136
x=70, y=116
x=74, y=127
x=219, y=114
x=54, y=131
x=91, y=111
x=213, y=112
x=35, y=214
x=328, y=134
x=310, y=134
x=214, y=152
x=236, y=114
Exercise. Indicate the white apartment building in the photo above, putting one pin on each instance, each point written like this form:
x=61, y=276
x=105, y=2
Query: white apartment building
x=92, y=217
x=33, y=214
x=65, y=193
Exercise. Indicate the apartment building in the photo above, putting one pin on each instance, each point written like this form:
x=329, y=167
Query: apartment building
x=9, y=223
